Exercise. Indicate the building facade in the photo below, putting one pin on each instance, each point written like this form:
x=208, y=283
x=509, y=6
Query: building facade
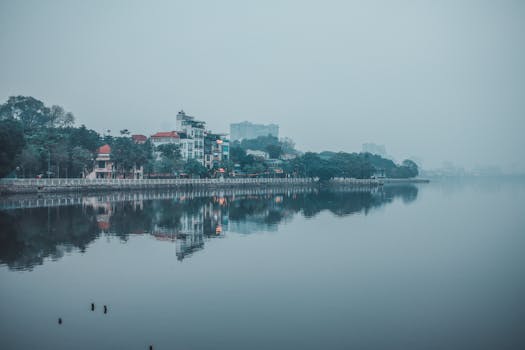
x=247, y=130
x=216, y=150
x=164, y=138
x=105, y=168
x=103, y=164
x=193, y=140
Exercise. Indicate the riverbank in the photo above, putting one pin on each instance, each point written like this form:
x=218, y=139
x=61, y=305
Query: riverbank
x=21, y=186
x=15, y=186
x=59, y=199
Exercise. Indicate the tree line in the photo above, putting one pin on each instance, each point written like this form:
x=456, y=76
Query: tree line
x=38, y=140
x=324, y=165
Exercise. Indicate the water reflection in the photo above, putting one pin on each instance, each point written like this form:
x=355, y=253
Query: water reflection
x=30, y=236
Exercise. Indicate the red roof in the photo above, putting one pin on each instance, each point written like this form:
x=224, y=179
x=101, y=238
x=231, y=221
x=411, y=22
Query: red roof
x=104, y=150
x=139, y=138
x=103, y=225
x=172, y=134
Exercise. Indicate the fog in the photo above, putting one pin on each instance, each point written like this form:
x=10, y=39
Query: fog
x=440, y=80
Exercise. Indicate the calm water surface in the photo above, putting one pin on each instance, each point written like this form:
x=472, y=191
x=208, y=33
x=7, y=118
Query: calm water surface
x=434, y=266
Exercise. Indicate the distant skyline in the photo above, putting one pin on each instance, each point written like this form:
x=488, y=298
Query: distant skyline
x=439, y=81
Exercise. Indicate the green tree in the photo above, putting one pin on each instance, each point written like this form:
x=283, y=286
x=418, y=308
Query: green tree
x=11, y=144
x=260, y=143
x=81, y=161
x=195, y=168
x=29, y=161
x=126, y=154
x=412, y=167
x=85, y=138
x=274, y=151
x=60, y=118
x=170, y=158
x=237, y=153
x=170, y=151
x=33, y=114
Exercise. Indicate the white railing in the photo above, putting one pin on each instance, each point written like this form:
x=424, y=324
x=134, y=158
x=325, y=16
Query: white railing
x=37, y=185
x=59, y=182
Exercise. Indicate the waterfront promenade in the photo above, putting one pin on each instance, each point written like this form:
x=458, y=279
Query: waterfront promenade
x=15, y=186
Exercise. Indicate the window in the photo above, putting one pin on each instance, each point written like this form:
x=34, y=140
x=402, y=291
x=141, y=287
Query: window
x=101, y=164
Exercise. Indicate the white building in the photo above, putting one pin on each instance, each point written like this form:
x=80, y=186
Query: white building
x=257, y=153
x=164, y=138
x=216, y=149
x=192, y=133
x=105, y=169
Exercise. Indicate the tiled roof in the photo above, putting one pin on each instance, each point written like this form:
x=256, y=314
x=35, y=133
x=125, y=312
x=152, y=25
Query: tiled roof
x=104, y=150
x=139, y=138
x=172, y=134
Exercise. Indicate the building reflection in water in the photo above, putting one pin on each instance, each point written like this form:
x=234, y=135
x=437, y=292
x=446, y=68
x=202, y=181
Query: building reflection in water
x=31, y=235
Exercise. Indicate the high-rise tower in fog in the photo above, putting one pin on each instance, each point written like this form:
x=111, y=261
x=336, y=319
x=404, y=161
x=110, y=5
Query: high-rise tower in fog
x=247, y=130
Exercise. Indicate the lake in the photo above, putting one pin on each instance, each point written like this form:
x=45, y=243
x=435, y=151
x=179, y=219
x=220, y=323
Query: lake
x=427, y=266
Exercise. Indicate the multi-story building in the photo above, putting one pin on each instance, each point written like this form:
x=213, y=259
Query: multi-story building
x=195, y=143
x=247, y=130
x=105, y=169
x=216, y=150
x=194, y=130
x=103, y=164
x=164, y=138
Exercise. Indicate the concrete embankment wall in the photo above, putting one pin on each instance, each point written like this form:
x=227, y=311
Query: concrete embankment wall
x=15, y=186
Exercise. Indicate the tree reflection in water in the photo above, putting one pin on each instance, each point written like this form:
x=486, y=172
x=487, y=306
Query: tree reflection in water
x=30, y=236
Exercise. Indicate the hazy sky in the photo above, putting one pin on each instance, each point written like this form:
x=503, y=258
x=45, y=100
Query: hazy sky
x=440, y=80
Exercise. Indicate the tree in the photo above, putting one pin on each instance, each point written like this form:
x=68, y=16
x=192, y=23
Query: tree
x=81, y=161
x=170, y=157
x=60, y=118
x=412, y=166
x=170, y=151
x=59, y=152
x=29, y=161
x=406, y=170
x=32, y=113
x=123, y=154
x=323, y=169
x=255, y=168
x=127, y=154
x=260, y=143
x=11, y=144
x=195, y=168
x=85, y=138
x=237, y=153
x=352, y=165
x=288, y=145
x=274, y=151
